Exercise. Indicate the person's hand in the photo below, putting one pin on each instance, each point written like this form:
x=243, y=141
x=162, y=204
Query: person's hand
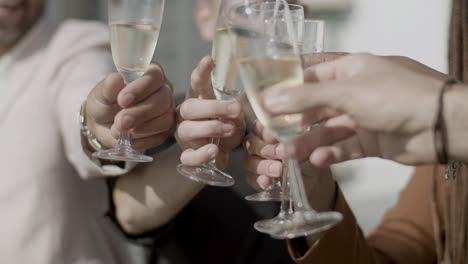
x=202, y=117
x=144, y=108
x=321, y=57
x=373, y=106
x=263, y=163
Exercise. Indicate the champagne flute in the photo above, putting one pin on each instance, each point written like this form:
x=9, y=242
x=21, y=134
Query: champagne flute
x=312, y=42
x=273, y=192
x=223, y=80
x=313, y=36
x=268, y=57
x=134, y=31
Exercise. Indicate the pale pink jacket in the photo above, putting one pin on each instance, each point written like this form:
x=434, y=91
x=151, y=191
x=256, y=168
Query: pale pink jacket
x=52, y=196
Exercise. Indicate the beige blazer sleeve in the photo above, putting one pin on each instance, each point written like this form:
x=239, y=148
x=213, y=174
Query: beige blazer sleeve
x=86, y=60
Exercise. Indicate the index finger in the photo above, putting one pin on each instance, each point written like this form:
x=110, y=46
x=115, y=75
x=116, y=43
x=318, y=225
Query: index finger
x=140, y=89
x=255, y=146
x=193, y=109
x=307, y=97
x=341, y=68
x=333, y=87
x=263, y=133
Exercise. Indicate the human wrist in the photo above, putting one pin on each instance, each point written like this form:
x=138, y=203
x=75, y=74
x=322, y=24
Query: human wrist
x=456, y=115
x=320, y=187
x=321, y=191
x=89, y=141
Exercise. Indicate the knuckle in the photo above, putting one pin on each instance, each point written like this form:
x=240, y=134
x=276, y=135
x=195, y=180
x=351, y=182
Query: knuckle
x=194, y=78
x=156, y=67
x=248, y=144
x=220, y=107
x=365, y=57
x=182, y=130
x=401, y=58
x=361, y=60
x=166, y=99
x=185, y=107
x=185, y=157
x=268, y=151
x=262, y=167
x=157, y=73
x=118, y=121
x=212, y=128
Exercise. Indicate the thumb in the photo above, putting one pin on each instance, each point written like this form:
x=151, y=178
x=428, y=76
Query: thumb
x=107, y=91
x=200, y=80
x=101, y=103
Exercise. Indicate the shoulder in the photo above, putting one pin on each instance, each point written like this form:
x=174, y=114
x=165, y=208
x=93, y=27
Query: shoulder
x=74, y=36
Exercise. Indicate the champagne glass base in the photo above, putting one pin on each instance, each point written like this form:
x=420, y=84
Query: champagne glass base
x=267, y=226
x=124, y=154
x=273, y=195
x=207, y=175
x=303, y=223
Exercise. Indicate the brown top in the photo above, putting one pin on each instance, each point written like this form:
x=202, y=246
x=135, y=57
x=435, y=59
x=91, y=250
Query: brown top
x=405, y=234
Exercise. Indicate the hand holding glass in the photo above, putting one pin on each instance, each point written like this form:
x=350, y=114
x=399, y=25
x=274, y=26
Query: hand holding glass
x=134, y=30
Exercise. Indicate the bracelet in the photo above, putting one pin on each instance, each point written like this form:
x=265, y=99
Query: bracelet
x=440, y=128
x=92, y=140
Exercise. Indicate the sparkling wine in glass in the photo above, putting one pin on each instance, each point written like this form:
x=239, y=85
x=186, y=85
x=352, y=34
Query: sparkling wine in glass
x=273, y=192
x=134, y=30
x=268, y=57
x=313, y=36
x=312, y=42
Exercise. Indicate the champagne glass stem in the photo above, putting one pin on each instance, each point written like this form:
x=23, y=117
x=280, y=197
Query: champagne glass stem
x=124, y=142
x=285, y=198
x=274, y=183
x=299, y=196
x=212, y=162
x=124, y=139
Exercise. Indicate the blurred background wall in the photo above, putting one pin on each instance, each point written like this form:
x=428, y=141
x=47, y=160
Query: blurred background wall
x=417, y=29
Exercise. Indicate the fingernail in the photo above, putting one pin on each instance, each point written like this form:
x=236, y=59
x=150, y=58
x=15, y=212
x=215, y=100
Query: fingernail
x=263, y=182
x=212, y=152
x=114, y=132
x=233, y=108
x=128, y=99
x=280, y=151
x=273, y=101
x=228, y=128
x=274, y=169
x=204, y=61
x=128, y=122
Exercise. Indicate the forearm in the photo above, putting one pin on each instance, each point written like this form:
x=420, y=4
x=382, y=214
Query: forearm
x=152, y=194
x=456, y=116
